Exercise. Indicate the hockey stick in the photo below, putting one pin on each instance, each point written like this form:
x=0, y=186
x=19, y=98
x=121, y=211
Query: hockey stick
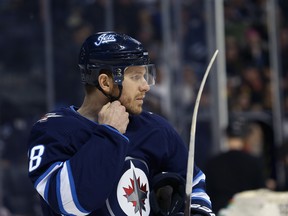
x=190, y=163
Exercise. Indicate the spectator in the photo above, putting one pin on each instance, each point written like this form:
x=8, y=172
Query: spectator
x=232, y=171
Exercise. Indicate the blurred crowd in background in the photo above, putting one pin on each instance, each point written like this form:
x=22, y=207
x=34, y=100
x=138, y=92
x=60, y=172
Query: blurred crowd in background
x=249, y=81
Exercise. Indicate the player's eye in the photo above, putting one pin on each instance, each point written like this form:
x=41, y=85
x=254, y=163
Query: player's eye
x=136, y=77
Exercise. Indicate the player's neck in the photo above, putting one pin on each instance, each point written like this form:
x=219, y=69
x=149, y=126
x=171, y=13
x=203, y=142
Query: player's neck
x=91, y=107
x=89, y=114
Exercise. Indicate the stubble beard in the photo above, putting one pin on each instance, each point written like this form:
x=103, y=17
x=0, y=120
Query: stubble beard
x=134, y=109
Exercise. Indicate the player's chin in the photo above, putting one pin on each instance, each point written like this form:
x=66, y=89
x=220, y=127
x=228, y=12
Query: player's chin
x=136, y=110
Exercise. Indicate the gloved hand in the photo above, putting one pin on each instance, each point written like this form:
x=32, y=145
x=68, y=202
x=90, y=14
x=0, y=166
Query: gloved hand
x=167, y=194
x=167, y=197
x=182, y=214
x=201, y=210
x=198, y=210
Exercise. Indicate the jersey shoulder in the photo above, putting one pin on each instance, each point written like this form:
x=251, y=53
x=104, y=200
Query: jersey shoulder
x=154, y=120
x=148, y=123
x=62, y=119
x=58, y=113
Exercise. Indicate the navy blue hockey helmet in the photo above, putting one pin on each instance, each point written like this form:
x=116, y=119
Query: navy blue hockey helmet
x=113, y=52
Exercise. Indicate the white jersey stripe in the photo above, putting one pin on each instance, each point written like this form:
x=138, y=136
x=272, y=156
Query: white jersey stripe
x=73, y=190
x=66, y=193
x=201, y=195
x=42, y=183
x=198, y=178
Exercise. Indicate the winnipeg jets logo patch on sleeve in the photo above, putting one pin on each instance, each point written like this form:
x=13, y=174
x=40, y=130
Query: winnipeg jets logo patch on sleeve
x=49, y=115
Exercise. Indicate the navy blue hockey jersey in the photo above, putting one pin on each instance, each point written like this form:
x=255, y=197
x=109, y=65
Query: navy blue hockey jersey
x=80, y=167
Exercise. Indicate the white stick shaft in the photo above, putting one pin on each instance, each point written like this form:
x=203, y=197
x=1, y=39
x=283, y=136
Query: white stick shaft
x=190, y=163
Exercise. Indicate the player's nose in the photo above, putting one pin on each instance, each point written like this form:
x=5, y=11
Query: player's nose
x=144, y=86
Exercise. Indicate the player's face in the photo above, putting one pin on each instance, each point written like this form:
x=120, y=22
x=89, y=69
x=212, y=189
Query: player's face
x=135, y=87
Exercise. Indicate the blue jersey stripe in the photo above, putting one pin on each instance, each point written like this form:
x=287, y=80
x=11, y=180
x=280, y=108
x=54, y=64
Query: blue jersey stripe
x=73, y=190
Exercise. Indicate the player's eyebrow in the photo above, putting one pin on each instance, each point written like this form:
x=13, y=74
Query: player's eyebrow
x=135, y=70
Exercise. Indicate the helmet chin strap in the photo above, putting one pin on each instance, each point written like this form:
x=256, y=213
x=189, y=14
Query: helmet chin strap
x=111, y=97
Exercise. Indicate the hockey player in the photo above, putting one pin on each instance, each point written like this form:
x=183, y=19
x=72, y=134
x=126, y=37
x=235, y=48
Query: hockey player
x=109, y=157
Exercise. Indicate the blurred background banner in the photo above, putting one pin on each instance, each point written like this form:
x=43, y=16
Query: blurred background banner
x=39, y=46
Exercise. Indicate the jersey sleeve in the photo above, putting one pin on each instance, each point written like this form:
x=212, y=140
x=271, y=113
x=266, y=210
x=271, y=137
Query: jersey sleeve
x=177, y=162
x=179, y=158
x=74, y=170
x=200, y=200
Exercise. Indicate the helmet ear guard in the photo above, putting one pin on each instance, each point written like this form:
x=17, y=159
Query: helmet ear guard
x=90, y=74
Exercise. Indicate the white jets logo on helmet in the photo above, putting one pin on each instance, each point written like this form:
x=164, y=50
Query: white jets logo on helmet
x=105, y=38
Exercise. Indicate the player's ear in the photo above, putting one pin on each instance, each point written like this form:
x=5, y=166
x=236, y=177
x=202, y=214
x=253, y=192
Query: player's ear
x=106, y=82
